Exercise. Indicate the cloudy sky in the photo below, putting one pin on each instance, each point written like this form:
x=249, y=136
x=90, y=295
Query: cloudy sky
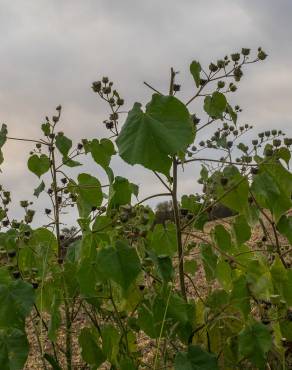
x=52, y=50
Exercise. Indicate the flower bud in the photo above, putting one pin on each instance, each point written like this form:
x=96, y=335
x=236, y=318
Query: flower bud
x=213, y=67
x=245, y=51
x=220, y=84
x=105, y=80
x=235, y=57
x=262, y=55
x=96, y=86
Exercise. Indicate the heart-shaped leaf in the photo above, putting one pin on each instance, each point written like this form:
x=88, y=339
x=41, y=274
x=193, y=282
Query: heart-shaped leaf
x=39, y=165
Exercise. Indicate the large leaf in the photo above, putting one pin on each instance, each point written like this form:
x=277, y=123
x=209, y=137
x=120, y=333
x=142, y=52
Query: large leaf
x=39, y=165
x=241, y=230
x=163, y=240
x=90, y=350
x=195, y=359
x=13, y=349
x=254, y=343
x=17, y=298
x=234, y=195
x=120, y=264
x=151, y=138
x=90, y=194
x=285, y=227
x=110, y=342
x=121, y=192
x=222, y=238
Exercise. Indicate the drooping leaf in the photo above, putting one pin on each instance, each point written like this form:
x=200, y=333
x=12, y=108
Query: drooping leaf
x=195, y=359
x=215, y=105
x=241, y=229
x=163, y=240
x=222, y=238
x=119, y=264
x=254, y=343
x=121, y=192
x=90, y=194
x=90, y=348
x=195, y=69
x=39, y=189
x=110, y=342
x=209, y=259
x=39, y=165
x=151, y=138
x=64, y=144
x=69, y=162
x=235, y=194
x=240, y=295
x=14, y=349
x=285, y=227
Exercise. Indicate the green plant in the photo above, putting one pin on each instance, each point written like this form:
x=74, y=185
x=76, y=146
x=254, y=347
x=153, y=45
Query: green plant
x=128, y=277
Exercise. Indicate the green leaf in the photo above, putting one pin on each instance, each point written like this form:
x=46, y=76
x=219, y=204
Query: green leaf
x=165, y=268
x=232, y=114
x=254, y=343
x=150, y=317
x=222, y=238
x=51, y=360
x=64, y=144
x=240, y=295
x=163, y=240
x=110, y=342
x=195, y=69
x=241, y=230
x=102, y=151
x=70, y=162
x=90, y=194
x=284, y=153
x=39, y=165
x=195, y=359
x=209, y=259
x=272, y=188
x=17, y=299
x=215, y=105
x=151, y=138
x=14, y=349
x=235, y=194
x=90, y=350
x=3, y=135
x=259, y=279
x=39, y=189
x=121, y=192
x=55, y=320
x=46, y=128
x=224, y=274
x=120, y=264
x=285, y=227
x=190, y=267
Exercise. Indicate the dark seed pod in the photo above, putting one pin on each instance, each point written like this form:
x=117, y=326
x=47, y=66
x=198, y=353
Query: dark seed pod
x=11, y=253
x=176, y=87
x=184, y=211
x=16, y=274
x=224, y=181
x=254, y=170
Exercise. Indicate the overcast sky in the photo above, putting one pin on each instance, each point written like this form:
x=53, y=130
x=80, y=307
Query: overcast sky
x=52, y=50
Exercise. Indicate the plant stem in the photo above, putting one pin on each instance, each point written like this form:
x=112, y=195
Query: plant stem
x=56, y=208
x=68, y=336
x=176, y=210
x=178, y=231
